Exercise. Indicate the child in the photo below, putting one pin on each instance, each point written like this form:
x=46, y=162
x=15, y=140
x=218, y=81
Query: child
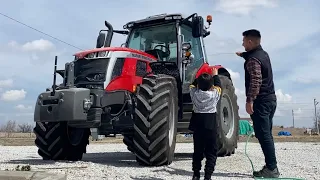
x=205, y=93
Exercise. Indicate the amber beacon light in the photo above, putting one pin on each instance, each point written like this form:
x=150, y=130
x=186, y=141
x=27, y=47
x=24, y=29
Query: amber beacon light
x=209, y=19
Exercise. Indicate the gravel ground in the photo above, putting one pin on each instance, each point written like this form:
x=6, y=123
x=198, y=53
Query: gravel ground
x=113, y=161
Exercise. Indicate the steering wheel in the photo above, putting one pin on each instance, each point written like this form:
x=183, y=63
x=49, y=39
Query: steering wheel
x=163, y=54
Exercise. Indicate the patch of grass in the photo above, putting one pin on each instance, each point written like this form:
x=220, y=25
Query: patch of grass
x=29, y=141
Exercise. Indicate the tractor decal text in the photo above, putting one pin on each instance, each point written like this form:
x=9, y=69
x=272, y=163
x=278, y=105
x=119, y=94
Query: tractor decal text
x=139, y=56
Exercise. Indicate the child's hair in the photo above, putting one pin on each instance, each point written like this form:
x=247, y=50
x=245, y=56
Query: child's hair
x=205, y=81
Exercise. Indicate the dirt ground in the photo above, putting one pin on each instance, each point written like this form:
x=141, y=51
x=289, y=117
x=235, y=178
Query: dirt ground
x=27, y=139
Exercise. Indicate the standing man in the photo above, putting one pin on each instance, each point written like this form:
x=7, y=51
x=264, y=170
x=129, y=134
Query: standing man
x=261, y=100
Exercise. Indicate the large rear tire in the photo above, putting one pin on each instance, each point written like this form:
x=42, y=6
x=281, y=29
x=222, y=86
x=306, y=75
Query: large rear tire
x=227, y=118
x=58, y=141
x=155, y=125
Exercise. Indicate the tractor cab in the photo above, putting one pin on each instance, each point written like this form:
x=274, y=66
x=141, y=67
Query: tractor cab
x=169, y=38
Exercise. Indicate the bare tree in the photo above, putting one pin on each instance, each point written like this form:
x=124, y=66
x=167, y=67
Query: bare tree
x=315, y=122
x=9, y=127
x=25, y=128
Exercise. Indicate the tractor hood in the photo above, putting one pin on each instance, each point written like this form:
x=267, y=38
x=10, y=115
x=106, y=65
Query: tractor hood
x=98, y=67
x=103, y=52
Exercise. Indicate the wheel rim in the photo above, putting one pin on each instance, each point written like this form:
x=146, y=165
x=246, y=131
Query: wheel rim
x=227, y=119
x=171, y=123
x=75, y=135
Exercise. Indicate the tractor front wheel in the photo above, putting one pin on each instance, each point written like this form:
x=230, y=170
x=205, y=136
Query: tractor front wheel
x=155, y=125
x=58, y=141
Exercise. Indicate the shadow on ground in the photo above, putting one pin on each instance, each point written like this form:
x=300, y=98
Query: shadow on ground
x=175, y=171
x=116, y=159
x=126, y=159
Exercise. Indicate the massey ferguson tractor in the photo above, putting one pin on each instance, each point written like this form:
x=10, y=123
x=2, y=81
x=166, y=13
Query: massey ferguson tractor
x=139, y=90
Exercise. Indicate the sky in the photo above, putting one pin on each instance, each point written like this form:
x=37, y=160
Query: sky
x=290, y=32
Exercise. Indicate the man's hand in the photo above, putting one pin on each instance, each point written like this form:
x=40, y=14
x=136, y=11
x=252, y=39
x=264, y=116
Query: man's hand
x=249, y=108
x=214, y=71
x=239, y=54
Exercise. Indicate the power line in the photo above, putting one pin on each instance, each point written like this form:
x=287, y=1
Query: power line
x=221, y=53
x=39, y=31
x=293, y=102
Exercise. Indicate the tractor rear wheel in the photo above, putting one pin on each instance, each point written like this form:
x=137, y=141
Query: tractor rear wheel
x=155, y=125
x=227, y=118
x=58, y=141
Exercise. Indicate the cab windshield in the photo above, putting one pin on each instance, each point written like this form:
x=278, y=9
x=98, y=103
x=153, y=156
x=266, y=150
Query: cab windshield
x=159, y=41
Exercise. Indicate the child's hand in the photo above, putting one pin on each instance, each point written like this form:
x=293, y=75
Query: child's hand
x=214, y=71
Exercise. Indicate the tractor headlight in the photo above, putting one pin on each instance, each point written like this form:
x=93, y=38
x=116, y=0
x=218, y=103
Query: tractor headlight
x=91, y=55
x=102, y=53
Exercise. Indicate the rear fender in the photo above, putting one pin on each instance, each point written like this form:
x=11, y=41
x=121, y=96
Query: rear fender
x=206, y=68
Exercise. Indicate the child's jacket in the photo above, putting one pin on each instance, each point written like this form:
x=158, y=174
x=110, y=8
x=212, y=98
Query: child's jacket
x=204, y=105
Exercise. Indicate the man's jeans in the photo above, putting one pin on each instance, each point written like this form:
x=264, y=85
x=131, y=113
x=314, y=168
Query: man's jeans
x=262, y=122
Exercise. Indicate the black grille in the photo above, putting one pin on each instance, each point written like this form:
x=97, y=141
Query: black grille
x=118, y=67
x=90, y=73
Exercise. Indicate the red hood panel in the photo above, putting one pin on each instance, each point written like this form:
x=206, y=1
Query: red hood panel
x=82, y=54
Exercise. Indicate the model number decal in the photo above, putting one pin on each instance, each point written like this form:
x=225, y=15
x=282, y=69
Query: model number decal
x=139, y=56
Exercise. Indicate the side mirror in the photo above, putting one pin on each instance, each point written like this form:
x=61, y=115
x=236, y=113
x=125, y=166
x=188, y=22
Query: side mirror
x=186, y=46
x=197, y=26
x=100, y=40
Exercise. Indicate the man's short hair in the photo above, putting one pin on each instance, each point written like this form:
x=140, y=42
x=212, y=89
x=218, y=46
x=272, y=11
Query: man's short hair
x=205, y=81
x=252, y=33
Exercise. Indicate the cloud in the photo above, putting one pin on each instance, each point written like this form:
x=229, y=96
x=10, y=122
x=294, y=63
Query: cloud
x=6, y=83
x=235, y=76
x=40, y=45
x=13, y=95
x=243, y=7
x=281, y=97
x=24, y=115
x=22, y=107
x=308, y=80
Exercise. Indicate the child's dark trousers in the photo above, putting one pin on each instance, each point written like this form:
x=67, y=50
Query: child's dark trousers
x=204, y=145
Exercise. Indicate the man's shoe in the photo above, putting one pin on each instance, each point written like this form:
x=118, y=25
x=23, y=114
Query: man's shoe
x=195, y=178
x=267, y=173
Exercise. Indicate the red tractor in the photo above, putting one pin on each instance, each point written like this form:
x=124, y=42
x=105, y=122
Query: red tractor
x=139, y=90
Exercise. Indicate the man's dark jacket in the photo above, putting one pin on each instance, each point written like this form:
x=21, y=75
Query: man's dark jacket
x=267, y=91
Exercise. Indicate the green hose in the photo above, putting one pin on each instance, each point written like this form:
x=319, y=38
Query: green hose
x=245, y=152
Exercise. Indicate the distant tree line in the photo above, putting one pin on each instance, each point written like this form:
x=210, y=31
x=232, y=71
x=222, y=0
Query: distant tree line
x=12, y=126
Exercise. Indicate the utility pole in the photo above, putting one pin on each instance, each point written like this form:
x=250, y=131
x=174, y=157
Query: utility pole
x=292, y=118
x=315, y=114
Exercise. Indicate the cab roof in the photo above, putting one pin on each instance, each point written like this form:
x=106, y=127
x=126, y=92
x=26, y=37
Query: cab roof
x=155, y=19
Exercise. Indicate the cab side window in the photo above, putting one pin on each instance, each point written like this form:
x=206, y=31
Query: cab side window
x=196, y=50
